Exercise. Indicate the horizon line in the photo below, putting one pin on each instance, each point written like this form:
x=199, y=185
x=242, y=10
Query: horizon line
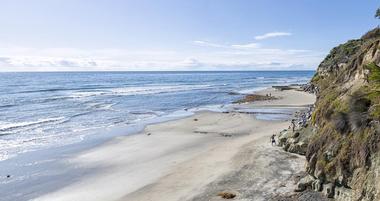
x=153, y=71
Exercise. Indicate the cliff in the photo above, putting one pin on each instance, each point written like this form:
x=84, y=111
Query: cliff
x=342, y=152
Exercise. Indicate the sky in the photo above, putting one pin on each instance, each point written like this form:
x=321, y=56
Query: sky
x=154, y=35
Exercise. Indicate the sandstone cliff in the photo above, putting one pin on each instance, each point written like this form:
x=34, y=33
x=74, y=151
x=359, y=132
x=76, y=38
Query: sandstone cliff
x=343, y=158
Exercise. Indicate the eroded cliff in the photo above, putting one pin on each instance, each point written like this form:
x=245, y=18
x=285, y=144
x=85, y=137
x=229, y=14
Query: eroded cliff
x=343, y=153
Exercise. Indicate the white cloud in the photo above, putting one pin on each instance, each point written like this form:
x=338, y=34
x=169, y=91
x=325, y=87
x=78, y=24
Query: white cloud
x=246, y=46
x=191, y=62
x=25, y=61
x=272, y=35
x=207, y=44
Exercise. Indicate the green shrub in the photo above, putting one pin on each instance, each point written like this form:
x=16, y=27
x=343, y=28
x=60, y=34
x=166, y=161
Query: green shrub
x=374, y=75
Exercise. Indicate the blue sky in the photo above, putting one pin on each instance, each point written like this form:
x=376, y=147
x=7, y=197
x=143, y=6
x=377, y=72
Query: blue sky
x=60, y=35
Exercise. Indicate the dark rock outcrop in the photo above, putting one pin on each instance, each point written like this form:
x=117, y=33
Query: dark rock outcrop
x=296, y=138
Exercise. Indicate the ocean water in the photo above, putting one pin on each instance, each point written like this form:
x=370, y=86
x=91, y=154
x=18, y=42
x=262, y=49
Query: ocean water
x=46, y=118
x=45, y=110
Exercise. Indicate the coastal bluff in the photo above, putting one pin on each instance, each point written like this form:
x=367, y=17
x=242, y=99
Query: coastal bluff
x=341, y=137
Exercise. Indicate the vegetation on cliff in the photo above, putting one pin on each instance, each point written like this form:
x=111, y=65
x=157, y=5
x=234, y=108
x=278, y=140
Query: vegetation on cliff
x=346, y=117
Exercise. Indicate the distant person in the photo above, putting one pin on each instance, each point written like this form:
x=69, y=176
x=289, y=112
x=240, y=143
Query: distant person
x=293, y=125
x=273, y=140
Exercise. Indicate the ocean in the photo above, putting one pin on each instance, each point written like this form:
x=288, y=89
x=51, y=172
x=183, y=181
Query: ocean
x=46, y=118
x=43, y=110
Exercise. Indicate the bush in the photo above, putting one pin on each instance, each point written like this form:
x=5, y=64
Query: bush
x=358, y=111
x=371, y=34
x=340, y=121
x=374, y=75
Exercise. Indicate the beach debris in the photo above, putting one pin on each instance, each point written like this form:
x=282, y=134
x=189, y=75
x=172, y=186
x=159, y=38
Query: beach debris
x=225, y=134
x=201, y=132
x=149, y=134
x=195, y=119
x=8, y=176
x=227, y=195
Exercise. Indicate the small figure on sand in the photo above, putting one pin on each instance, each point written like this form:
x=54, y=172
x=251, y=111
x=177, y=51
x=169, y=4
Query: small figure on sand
x=273, y=140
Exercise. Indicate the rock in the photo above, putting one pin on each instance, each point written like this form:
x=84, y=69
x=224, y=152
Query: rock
x=282, y=138
x=304, y=183
x=286, y=147
x=282, y=88
x=343, y=194
x=296, y=134
x=328, y=155
x=328, y=190
x=302, y=148
x=316, y=185
x=298, y=148
x=255, y=97
x=318, y=173
x=311, y=164
x=233, y=93
x=227, y=195
x=292, y=140
x=310, y=196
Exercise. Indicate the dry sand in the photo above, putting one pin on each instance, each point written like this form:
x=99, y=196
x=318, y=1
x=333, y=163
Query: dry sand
x=191, y=159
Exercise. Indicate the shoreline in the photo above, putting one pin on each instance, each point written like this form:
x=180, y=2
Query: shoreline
x=144, y=164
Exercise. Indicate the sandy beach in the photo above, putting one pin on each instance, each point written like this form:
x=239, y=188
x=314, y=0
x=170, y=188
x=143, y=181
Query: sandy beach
x=192, y=159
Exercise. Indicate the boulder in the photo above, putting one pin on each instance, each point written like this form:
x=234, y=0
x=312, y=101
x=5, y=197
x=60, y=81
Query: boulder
x=227, y=195
x=310, y=168
x=282, y=137
x=296, y=134
x=319, y=173
x=343, y=194
x=304, y=183
x=317, y=185
x=329, y=190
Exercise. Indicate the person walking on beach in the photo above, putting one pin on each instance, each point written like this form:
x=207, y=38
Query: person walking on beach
x=273, y=140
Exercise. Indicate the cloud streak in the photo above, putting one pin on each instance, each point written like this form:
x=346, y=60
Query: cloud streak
x=249, y=56
x=207, y=44
x=234, y=46
x=246, y=46
x=272, y=35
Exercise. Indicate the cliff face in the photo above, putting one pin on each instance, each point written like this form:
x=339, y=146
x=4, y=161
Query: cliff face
x=343, y=153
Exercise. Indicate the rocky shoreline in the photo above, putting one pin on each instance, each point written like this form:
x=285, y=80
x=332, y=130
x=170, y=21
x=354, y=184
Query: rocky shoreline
x=296, y=140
